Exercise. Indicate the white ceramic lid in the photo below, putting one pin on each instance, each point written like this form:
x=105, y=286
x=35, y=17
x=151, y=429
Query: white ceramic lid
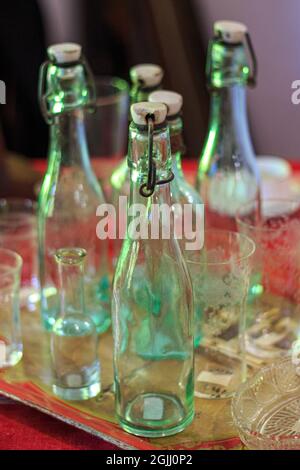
x=64, y=52
x=171, y=99
x=140, y=111
x=149, y=75
x=232, y=32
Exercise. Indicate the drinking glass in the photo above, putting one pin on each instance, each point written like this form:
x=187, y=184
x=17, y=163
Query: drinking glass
x=18, y=232
x=273, y=306
x=220, y=274
x=107, y=128
x=10, y=330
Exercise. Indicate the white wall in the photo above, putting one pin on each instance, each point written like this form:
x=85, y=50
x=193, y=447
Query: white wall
x=274, y=26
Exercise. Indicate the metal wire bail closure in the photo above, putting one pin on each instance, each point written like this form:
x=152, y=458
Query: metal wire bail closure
x=147, y=189
x=208, y=69
x=42, y=89
x=252, y=78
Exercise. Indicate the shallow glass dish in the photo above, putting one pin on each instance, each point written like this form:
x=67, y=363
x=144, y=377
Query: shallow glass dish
x=266, y=408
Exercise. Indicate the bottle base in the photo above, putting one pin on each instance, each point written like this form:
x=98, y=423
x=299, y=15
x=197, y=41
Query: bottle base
x=155, y=415
x=77, y=394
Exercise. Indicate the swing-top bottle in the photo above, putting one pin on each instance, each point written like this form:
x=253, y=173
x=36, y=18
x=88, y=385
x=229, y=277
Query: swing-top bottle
x=152, y=308
x=70, y=193
x=228, y=174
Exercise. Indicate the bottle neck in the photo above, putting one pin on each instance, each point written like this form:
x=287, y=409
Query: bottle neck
x=138, y=163
x=177, y=145
x=229, y=119
x=161, y=194
x=71, y=288
x=138, y=94
x=68, y=143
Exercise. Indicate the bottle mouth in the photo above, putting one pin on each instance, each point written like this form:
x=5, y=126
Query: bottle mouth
x=70, y=256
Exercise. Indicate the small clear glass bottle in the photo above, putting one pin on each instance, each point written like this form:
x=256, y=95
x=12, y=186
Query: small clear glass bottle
x=228, y=174
x=152, y=308
x=70, y=193
x=183, y=194
x=74, y=340
x=145, y=78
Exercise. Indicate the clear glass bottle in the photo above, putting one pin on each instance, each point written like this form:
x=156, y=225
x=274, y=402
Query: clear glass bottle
x=145, y=78
x=74, y=340
x=182, y=193
x=70, y=193
x=228, y=173
x=152, y=308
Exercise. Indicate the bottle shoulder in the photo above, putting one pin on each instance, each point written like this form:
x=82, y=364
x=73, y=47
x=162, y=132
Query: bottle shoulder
x=182, y=192
x=71, y=188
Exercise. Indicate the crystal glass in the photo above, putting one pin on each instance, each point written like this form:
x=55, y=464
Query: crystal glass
x=18, y=232
x=266, y=408
x=74, y=340
x=273, y=313
x=152, y=308
x=11, y=348
x=220, y=275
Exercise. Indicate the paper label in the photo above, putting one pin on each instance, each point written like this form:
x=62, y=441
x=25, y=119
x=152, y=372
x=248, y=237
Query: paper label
x=214, y=378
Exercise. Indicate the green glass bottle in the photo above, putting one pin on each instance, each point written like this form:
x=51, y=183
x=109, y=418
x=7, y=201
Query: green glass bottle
x=74, y=340
x=70, y=193
x=152, y=307
x=183, y=194
x=145, y=78
x=228, y=174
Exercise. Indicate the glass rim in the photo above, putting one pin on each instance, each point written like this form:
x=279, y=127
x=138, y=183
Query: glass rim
x=246, y=427
x=15, y=256
x=237, y=236
x=119, y=84
x=240, y=221
x=71, y=255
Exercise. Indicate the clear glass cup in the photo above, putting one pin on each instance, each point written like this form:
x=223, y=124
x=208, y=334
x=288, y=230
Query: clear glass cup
x=220, y=274
x=107, y=128
x=273, y=306
x=11, y=348
x=18, y=232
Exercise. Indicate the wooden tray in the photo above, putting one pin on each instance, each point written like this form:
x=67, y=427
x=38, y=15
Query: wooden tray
x=30, y=383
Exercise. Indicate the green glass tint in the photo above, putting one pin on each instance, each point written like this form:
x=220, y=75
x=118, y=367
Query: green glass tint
x=152, y=310
x=182, y=193
x=120, y=179
x=69, y=197
x=227, y=175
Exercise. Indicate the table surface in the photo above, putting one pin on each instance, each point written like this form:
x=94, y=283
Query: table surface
x=23, y=428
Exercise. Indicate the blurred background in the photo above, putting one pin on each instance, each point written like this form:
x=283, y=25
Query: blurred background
x=117, y=34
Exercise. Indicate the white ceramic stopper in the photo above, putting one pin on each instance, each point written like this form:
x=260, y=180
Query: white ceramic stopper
x=140, y=111
x=232, y=32
x=64, y=52
x=149, y=75
x=171, y=99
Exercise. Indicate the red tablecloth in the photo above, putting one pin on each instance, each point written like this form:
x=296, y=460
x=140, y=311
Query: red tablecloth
x=25, y=428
